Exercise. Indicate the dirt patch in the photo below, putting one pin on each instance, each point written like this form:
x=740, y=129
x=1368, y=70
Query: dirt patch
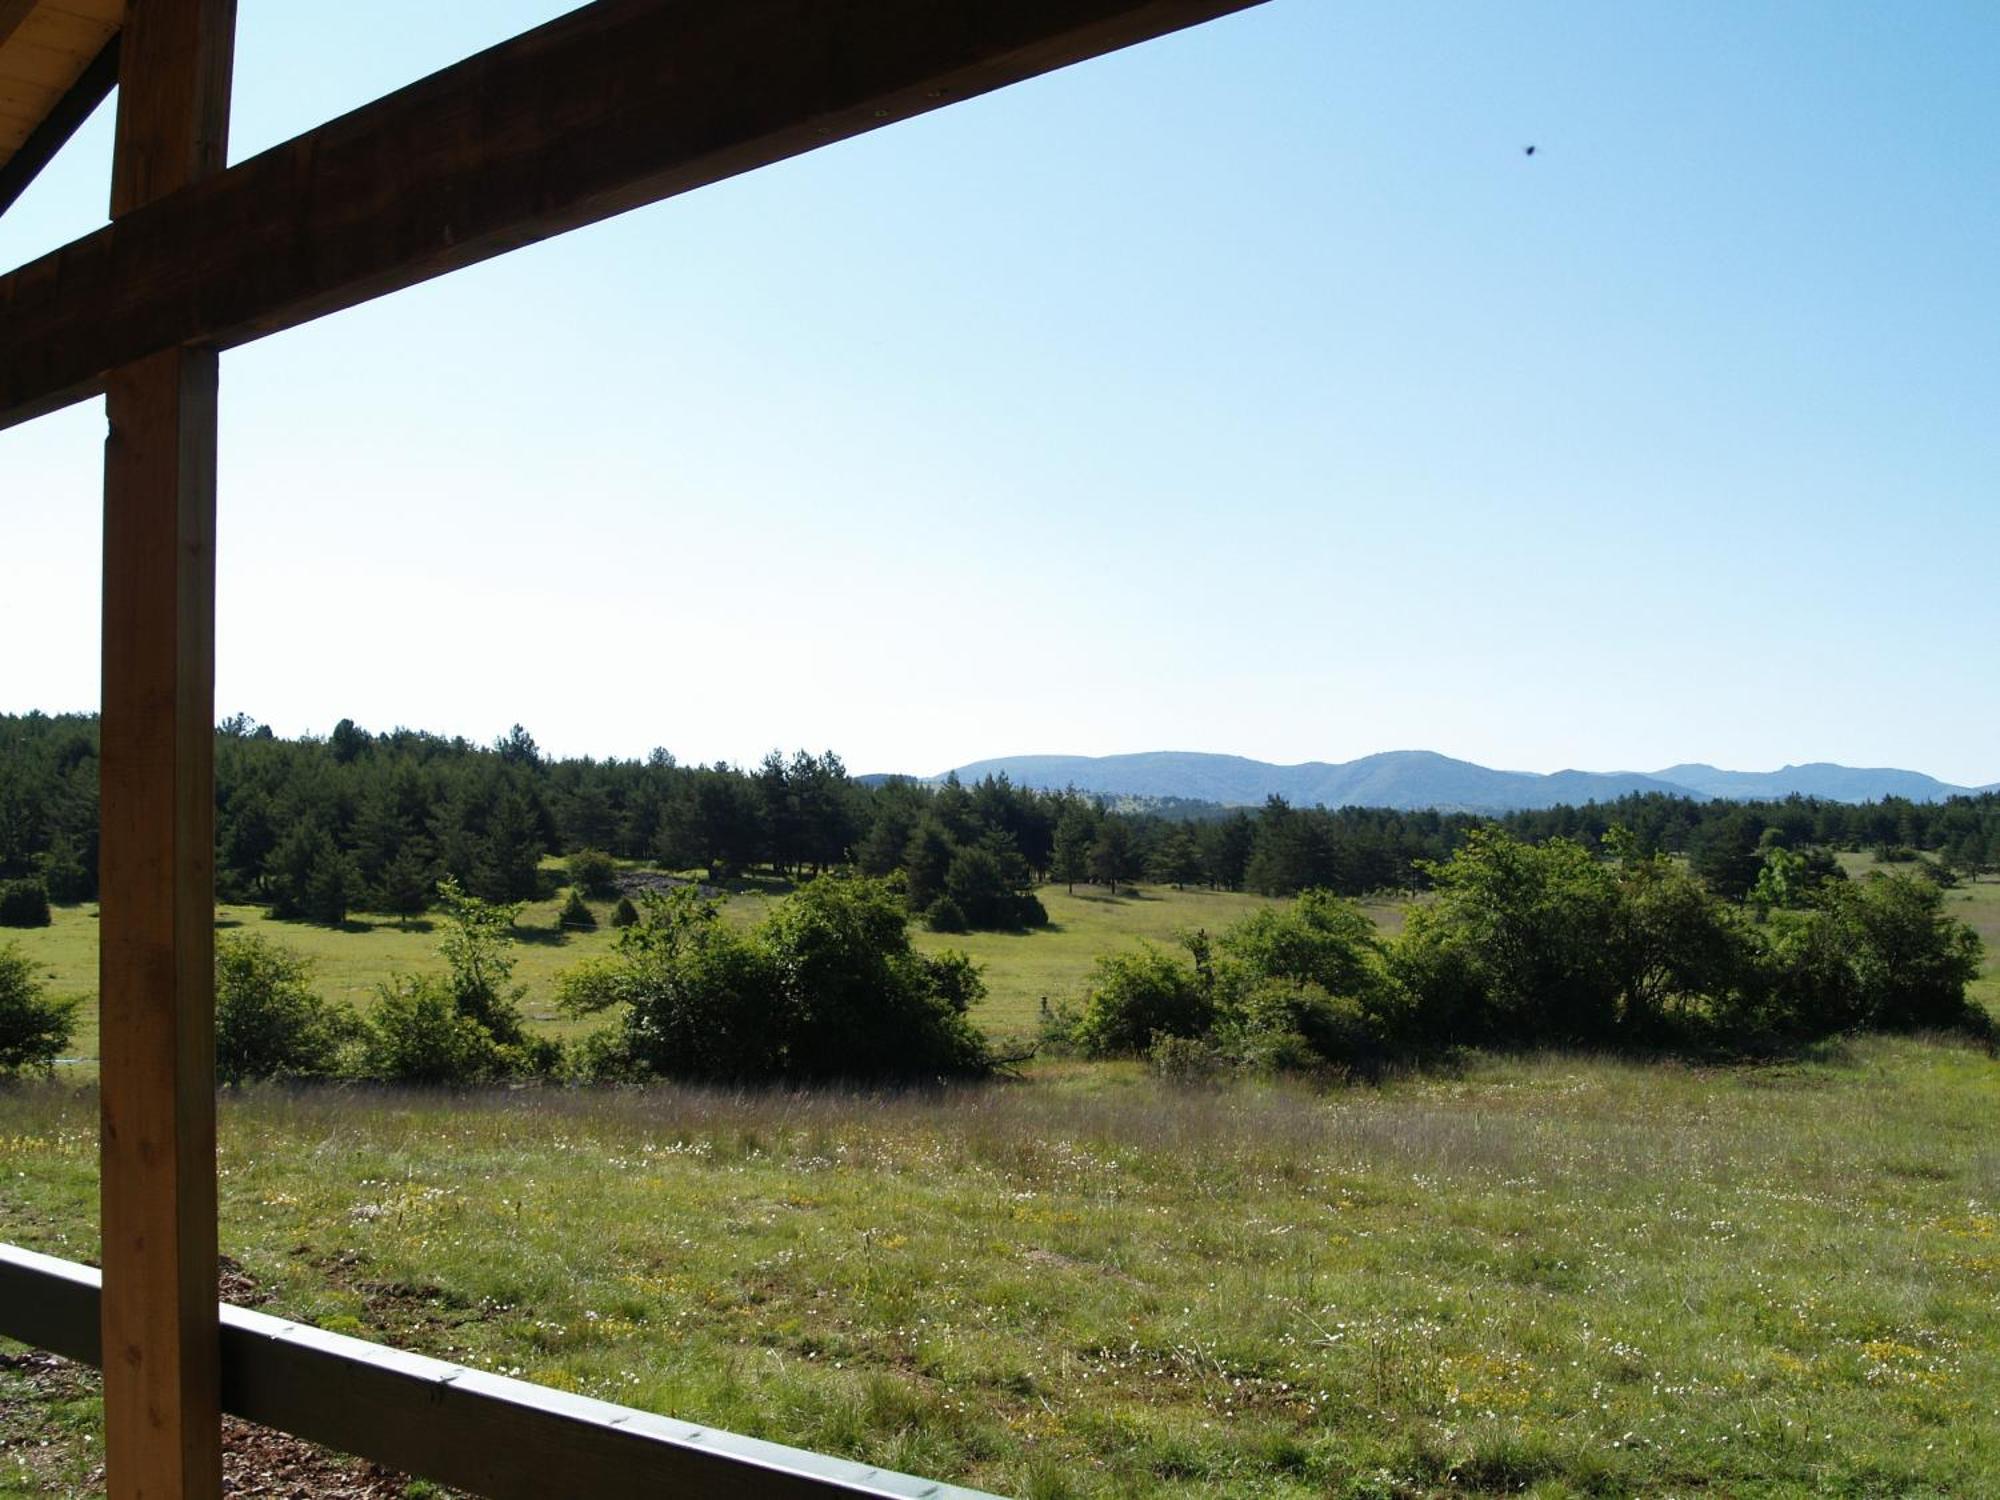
x=255, y=1460
x=237, y=1285
x=259, y=1461
x=417, y=1314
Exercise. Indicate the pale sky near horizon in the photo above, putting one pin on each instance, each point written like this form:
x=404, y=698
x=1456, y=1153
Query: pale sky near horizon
x=1247, y=391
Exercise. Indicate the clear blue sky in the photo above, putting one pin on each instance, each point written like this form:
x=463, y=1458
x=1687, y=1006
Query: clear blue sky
x=1247, y=391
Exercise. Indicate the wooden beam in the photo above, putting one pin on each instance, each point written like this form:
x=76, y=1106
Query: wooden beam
x=12, y=14
x=156, y=966
x=62, y=122
x=615, y=105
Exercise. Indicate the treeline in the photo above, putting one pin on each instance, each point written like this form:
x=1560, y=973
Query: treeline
x=317, y=828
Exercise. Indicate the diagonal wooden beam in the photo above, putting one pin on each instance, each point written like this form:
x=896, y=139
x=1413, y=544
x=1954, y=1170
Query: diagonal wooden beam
x=13, y=13
x=62, y=122
x=615, y=105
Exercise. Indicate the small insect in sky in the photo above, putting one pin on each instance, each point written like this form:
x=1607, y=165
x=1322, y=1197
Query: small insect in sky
x=1527, y=150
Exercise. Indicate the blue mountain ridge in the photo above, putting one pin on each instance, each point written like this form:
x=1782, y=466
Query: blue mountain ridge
x=1410, y=779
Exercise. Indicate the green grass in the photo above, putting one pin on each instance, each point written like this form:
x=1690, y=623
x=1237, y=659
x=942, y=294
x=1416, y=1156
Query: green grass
x=1978, y=906
x=349, y=962
x=1553, y=1276
x=1055, y=961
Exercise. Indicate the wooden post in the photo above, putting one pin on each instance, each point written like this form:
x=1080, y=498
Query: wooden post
x=162, y=1412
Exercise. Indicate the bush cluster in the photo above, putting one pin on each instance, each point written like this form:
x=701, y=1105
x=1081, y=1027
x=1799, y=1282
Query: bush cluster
x=269, y=1022
x=594, y=873
x=443, y=1030
x=1529, y=945
x=825, y=987
x=964, y=887
x=24, y=903
x=34, y=1028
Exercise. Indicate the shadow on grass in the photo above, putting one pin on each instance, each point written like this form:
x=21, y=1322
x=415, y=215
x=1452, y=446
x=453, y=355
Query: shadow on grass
x=761, y=885
x=1122, y=897
x=544, y=937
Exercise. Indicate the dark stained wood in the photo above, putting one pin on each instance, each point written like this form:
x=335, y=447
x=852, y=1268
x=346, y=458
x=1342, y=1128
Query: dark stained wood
x=162, y=1412
x=618, y=104
x=49, y=1303
x=62, y=122
x=12, y=14
x=505, y=1439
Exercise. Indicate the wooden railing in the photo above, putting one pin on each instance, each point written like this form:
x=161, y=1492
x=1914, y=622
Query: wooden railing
x=501, y=1438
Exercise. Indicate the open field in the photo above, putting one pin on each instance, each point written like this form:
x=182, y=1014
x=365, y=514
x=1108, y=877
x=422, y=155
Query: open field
x=1978, y=906
x=1553, y=1276
x=352, y=961
x=1055, y=961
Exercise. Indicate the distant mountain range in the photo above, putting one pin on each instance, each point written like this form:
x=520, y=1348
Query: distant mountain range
x=1423, y=778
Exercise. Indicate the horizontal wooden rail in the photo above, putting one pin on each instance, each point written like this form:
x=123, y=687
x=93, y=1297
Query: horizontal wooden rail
x=465, y=1428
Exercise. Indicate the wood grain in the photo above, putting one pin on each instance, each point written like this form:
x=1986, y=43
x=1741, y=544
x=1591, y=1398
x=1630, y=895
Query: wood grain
x=156, y=975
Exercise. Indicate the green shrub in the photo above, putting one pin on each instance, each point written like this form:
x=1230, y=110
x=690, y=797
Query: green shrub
x=826, y=986
x=1187, y=1062
x=1275, y=1025
x=1879, y=953
x=576, y=915
x=1526, y=936
x=953, y=978
x=624, y=914
x=64, y=874
x=1810, y=988
x=33, y=1028
x=24, y=903
x=1139, y=995
x=475, y=947
x=1913, y=959
x=594, y=872
x=1683, y=958
x=1792, y=879
x=702, y=999
x=991, y=889
x=1317, y=939
x=1056, y=1028
x=464, y=1026
x=269, y=1023
x=605, y=1056
x=946, y=915
x=418, y=1035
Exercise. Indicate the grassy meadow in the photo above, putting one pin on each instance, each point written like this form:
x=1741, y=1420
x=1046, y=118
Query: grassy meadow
x=1547, y=1275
